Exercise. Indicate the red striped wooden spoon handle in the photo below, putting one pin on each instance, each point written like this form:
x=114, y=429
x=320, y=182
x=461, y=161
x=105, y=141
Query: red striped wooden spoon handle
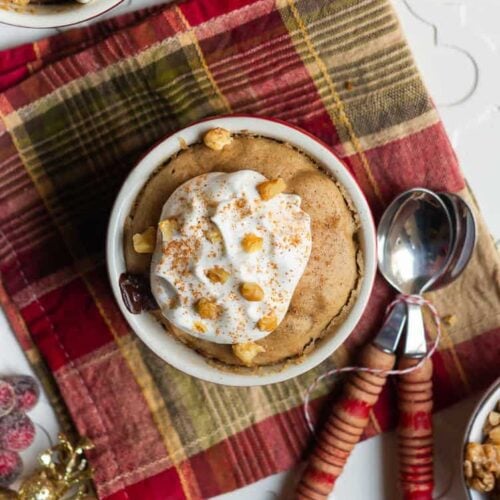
x=415, y=430
x=343, y=429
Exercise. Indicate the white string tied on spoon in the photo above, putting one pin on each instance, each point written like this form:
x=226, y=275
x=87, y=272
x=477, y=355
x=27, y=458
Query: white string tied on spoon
x=408, y=299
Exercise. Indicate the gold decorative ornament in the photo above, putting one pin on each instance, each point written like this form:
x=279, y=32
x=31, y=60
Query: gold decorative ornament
x=64, y=472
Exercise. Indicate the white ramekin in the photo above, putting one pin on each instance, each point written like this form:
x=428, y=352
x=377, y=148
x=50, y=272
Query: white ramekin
x=53, y=15
x=151, y=332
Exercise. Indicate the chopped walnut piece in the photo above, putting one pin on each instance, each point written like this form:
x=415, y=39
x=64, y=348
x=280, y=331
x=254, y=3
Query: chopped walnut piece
x=494, y=435
x=494, y=418
x=485, y=483
x=492, y=421
x=482, y=465
x=492, y=454
x=199, y=327
x=251, y=243
x=213, y=235
x=474, y=452
x=246, y=352
x=207, y=308
x=251, y=292
x=270, y=189
x=468, y=472
x=217, y=274
x=449, y=319
x=167, y=228
x=145, y=242
x=217, y=138
x=268, y=323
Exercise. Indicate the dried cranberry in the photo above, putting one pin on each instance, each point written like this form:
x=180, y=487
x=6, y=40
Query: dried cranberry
x=7, y=398
x=26, y=391
x=17, y=431
x=11, y=466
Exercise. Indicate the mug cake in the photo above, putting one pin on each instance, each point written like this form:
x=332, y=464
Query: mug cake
x=244, y=249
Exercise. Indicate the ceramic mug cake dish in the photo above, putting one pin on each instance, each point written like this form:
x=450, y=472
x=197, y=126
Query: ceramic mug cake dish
x=254, y=245
x=52, y=13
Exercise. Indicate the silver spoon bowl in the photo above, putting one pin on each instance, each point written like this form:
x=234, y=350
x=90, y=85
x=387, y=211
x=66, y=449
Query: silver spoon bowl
x=415, y=240
x=465, y=237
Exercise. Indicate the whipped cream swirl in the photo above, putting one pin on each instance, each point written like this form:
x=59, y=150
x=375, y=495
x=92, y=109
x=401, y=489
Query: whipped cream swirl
x=211, y=215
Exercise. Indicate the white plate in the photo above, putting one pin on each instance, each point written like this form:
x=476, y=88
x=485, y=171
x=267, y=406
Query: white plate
x=55, y=15
x=474, y=430
x=151, y=332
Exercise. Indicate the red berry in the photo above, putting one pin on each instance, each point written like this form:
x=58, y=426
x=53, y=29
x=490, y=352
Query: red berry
x=11, y=466
x=26, y=390
x=17, y=431
x=7, y=398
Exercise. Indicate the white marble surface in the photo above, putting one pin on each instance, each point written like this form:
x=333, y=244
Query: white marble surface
x=456, y=44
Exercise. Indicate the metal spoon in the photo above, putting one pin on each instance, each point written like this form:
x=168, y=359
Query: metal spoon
x=416, y=247
x=415, y=241
x=464, y=240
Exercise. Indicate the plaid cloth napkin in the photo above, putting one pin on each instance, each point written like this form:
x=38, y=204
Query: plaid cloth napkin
x=77, y=111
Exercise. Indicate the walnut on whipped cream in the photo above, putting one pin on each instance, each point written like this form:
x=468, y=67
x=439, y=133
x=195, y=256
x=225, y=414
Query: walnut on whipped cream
x=167, y=228
x=199, y=327
x=232, y=259
x=207, y=308
x=251, y=243
x=217, y=274
x=268, y=323
x=252, y=292
x=213, y=235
